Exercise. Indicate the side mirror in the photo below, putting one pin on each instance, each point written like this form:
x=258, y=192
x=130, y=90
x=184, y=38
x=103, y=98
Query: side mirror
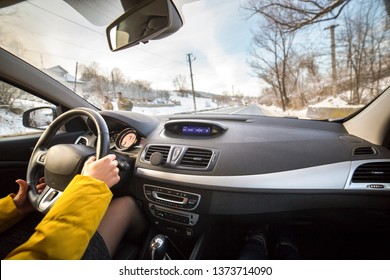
x=149, y=20
x=39, y=118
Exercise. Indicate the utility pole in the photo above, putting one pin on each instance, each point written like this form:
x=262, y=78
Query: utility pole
x=190, y=59
x=113, y=83
x=41, y=62
x=75, y=76
x=333, y=48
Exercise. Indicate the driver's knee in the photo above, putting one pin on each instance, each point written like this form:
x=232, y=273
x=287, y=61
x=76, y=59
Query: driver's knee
x=123, y=219
x=135, y=220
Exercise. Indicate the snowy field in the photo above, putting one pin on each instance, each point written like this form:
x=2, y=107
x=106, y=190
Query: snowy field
x=330, y=102
x=11, y=123
x=187, y=105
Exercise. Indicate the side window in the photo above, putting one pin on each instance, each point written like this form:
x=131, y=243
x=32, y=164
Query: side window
x=13, y=103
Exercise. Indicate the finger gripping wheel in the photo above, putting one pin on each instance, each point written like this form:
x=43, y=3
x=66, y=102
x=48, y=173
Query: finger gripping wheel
x=62, y=162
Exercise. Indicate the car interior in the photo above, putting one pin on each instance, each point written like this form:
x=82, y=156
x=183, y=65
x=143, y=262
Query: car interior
x=204, y=180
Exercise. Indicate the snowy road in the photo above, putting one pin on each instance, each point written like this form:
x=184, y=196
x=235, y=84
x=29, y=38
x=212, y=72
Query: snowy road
x=251, y=109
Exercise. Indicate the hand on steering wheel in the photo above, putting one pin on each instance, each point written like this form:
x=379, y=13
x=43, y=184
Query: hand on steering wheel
x=105, y=169
x=20, y=199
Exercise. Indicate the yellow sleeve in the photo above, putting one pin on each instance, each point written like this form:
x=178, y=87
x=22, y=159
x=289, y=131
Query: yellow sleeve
x=9, y=214
x=65, y=231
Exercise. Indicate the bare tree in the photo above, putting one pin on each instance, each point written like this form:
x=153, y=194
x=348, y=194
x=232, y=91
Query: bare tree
x=363, y=38
x=271, y=57
x=307, y=78
x=142, y=89
x=97, y=84
x=378, y=50
x=89, y=72
x=8, y=94
x=291, y=15
x=363, y=41
x=143, y=85
x=163, y=94
x=180, y=84
x=117, y=78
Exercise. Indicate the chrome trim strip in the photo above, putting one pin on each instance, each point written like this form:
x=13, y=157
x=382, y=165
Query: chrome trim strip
x=82, y=137
x=49, y=198
x=171, y=190
x=325, y=177
x=183, y=199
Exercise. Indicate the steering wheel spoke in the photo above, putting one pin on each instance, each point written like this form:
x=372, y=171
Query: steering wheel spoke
x=47, y=198
x=41, y=157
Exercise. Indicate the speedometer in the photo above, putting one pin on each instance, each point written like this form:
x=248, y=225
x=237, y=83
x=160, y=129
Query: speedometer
x=126, y=139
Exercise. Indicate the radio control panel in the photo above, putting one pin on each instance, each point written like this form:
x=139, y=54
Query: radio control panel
x=175, y=216
x=171, y=198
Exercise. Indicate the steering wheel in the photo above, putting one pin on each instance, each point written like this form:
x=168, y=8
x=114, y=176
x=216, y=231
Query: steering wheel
x=63, y=161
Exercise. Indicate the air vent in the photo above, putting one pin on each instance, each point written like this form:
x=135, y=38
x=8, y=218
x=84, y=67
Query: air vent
x=164, y=150
x=364, y=151
x=82, y=141
x=196, y=158
x=378, y=172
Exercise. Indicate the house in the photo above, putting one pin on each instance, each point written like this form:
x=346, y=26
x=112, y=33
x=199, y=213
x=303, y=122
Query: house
x=63, y=76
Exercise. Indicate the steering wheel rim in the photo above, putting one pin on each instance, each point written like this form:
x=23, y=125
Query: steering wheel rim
x=71, y=160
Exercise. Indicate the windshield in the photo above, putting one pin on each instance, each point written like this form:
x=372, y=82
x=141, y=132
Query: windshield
x=309, y=59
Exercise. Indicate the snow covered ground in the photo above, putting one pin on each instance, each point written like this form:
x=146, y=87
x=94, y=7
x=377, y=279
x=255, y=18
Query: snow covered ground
x=278, y=112
x=334, y=102
x=11, y=123
x=187, y=105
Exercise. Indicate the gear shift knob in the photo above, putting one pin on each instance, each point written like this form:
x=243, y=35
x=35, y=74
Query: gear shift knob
x=158, y=247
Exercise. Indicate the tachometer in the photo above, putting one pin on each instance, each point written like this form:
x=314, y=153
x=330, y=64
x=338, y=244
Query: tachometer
x=126, y=139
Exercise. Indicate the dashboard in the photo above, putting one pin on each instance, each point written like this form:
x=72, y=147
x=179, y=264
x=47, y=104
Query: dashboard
x=188, y=168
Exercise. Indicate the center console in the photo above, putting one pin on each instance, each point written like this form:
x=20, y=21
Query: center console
x=173, y=207
x=179, y=219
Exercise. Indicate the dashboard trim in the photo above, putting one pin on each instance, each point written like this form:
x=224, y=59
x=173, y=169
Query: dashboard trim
x=312, y=178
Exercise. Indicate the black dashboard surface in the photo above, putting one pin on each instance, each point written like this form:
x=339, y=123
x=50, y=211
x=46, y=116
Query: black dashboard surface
x=254, y=164
x=261, y=152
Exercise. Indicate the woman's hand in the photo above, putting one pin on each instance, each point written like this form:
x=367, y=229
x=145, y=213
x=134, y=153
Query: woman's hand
x=105, y=169
x=22, y=203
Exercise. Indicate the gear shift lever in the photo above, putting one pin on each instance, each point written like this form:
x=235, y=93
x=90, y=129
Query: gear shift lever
x=158, y=247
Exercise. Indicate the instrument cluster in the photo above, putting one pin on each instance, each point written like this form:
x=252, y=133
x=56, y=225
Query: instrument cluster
x=125, y=139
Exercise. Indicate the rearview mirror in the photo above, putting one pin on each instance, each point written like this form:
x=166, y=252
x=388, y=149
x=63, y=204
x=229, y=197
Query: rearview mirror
x=149, y=20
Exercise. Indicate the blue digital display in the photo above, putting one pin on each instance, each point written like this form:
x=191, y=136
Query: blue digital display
x=196, y=130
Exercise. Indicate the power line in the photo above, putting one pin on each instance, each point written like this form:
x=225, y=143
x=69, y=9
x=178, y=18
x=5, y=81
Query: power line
x=97, y=32
x=64, y=18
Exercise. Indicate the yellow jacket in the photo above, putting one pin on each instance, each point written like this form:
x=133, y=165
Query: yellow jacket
x=65, y=231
